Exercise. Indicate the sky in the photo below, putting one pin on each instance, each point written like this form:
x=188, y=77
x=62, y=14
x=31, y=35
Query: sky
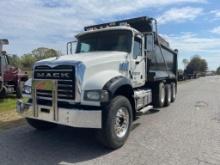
x=191, y=26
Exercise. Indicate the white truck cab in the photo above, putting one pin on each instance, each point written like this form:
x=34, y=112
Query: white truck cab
x=117, y=70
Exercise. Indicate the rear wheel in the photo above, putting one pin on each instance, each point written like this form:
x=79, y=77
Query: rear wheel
x=40, y=125
x=117, y=119
x=167, y=94
x=159, y=95
x=173, y=92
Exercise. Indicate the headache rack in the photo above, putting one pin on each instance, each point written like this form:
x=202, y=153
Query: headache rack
x=142, y=24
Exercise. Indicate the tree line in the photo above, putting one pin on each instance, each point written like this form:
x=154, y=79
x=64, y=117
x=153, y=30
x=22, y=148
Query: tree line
x=195, y=65
x=26, y=61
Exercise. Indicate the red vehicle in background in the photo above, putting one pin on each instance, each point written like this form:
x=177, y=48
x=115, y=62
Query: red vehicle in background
x=11, y=78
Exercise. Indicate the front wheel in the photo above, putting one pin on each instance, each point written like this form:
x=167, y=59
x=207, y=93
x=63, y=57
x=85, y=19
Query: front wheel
x=117, y=119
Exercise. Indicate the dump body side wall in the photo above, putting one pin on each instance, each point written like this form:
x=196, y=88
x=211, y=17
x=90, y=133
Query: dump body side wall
x=162, y=65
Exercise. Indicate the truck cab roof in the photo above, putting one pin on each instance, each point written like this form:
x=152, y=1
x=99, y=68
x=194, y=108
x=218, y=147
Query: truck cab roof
x=108, y=29
x=138, y=25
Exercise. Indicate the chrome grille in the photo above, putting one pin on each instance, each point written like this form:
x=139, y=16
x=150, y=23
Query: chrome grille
x=65, y=84
x=65, y=90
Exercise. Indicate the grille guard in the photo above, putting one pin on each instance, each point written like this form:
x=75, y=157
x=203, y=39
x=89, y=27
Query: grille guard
x=50, y=85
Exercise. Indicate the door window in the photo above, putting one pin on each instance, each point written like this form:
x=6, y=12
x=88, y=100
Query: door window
x=84, y=47
x=137, y=48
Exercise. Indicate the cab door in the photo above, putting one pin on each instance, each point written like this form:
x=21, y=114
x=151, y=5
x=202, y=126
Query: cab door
x=138, y=62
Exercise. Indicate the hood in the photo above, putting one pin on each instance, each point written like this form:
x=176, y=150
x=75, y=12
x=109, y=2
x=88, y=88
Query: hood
x=90, y=58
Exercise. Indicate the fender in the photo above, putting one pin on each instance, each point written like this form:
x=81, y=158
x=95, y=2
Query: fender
x=121, y=85
x=115, y=83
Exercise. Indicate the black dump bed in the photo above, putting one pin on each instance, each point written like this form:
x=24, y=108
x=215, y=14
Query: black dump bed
x=162, y=64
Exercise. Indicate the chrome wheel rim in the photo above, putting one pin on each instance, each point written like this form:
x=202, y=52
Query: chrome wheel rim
x=174, y=91
x=169, y=95
x=121, y=122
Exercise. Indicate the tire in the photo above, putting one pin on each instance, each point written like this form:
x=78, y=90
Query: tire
x=119, y=109
x=159, y=95
x=3, y=93
x=173, y=92
x=167, y=94
x=40, y=125
x=19, y=91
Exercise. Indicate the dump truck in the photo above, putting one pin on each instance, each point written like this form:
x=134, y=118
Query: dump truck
x=11, y=78
x=118, y=71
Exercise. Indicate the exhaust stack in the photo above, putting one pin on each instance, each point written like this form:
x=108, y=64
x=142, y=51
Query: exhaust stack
x=3, y=42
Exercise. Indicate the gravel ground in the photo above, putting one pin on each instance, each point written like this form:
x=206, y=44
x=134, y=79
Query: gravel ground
x=185, y=133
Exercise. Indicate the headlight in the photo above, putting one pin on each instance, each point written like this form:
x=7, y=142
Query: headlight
x=96, y=95
x=27, y=89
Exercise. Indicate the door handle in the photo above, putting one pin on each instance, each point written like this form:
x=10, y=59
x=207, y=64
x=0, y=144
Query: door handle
x=137, y=62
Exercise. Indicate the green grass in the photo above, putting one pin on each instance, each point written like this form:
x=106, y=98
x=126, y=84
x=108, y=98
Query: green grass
x=8, y=104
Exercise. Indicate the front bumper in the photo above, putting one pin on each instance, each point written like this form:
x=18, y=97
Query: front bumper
x=84, y=118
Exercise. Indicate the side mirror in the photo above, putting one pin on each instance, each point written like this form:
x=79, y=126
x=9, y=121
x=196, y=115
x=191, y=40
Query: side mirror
x=149, y=42
x=71, y=47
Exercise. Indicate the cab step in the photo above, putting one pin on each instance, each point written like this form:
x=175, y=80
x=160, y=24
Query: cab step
x=145, y=109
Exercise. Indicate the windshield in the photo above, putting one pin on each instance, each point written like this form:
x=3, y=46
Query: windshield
x=114, y=40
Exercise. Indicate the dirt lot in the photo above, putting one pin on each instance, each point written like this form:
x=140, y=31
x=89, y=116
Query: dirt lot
x=10, y=119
